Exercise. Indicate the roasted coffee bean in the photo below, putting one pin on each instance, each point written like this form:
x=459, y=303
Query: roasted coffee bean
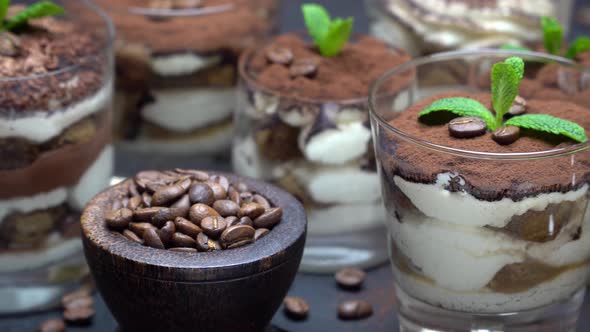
x=232, y=221
x=167, y=194
x=116, y=205
x=132, y=189
x=269, y=218
x=252, y=210
x=132, y=236
x=80, y=302
x=220, y=179
x=146, y=200
x=246, y=197
x=201, y=193
x=234, y=196
x=226, y=207
x=262, y=201
x=146, y=214
x=152, y=239
x=184, y=249
x=204, y=243
x=261, y=232
x=124, y=202
x=219, y=191
x=79, y=316
x=134, y=202
x=506, y=135
x=183, y=204
x=296, y=308
x=467, y=127
x=166, y=214
x=194, y=174
x=142, y=179
x=213, y=226
x=237, y=236
x=199, y=211
x=186, y=227
x=139, y=227
x=241, y=187
x=184, y=183
x=69, y=298
x=182, y=240
x=52, y=325
x=167, y=232
x=356, y=309
x=246, y=221
x=307, y=67
x=350, y=278
x=10, y=44
x=279, y=55
x=119, y=219
x=518, y=106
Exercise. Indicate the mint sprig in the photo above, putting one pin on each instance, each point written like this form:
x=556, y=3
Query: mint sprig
x=552, y=35
x=506, y=77
x=579, y=45
x=328, y=35
x=36, y=10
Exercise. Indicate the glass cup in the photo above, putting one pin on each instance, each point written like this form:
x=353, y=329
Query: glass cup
x=55, y=154
x=176, y=72
x=427, y=27
x=478, y=240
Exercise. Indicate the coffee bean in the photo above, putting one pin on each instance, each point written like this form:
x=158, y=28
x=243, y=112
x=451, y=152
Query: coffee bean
x=201, y=193
x=182, y=240
x=142, y=179
x=269, y=218
x=199, y=211
x=506, y=135
x=241, y=187
x=167, y=232
x=467, y=127
x=152, y=239
x=246, y=197
x=166, y=214
x=261, y=232
x=183, y=249
x=252, y=210
x=52, y=325
x=350, y=278
x=79, y=316
x=119, y=219
x=307, y=67
x=132, y=189
x=183, y=204
x=184, y=183
x=140, y=227
x=146, y=200
x=146, y=214
x=132, y=236
x=213, y=226
x=167, y=194
x=261, y=200
x=80, y=302
x=69, y=298
x=356, y=309
x=221, y=180
x=234, y=196
x=226, y=207
x=237, y=236
x=117, y=205
x=518, y=106
x=184, y=226
x=194, y=174
x=219, y=191
x=296, y=308
x=134, y=202
x=246, y=221
x=124, y=202
x=279, y=55
x=232, y=221
x=10, y=44
x=204, y=243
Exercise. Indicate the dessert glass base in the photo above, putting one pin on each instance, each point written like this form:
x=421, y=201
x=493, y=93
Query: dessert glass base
x=482, y=236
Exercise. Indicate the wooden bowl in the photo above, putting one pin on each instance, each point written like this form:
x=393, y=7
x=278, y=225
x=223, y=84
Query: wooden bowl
x=150, y=289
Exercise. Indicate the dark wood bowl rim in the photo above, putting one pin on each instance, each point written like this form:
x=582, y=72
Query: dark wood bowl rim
x=282, y=243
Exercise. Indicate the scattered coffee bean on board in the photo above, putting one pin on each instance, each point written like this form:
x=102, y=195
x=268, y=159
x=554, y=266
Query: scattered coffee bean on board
x=52, y=325
x=296, y=308
x=188, y=211
x=354, y=309
x=79, y=316
x=350, y=278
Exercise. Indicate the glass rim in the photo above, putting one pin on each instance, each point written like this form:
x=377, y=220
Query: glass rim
x=452, y=55
x=108, y=45
x=145, y=10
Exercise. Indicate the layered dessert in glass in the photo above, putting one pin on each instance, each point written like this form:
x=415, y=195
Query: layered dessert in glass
x=425, y=27
x=176, y=70
x=55, y=148
x=302, y=123
x=488, y=229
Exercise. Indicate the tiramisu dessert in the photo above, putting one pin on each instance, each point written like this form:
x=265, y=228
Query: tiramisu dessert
x=176, y=69
x=303, y=124
x=479, y=223
x=425, y=27
x=55, y=130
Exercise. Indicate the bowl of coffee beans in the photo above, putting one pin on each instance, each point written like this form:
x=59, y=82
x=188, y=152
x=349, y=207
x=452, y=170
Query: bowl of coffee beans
x=189, y=250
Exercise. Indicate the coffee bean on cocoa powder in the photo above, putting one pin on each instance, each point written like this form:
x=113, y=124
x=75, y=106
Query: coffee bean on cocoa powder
x=279, y=55
x=518, y=106
x=201, y=193
x=296, y=308
x=251, y=210
x=506, y=135
x=306, y=67
x=226, y=207
x=52, y=325
x=152, y=239
x=237, y=236
x=350, y=278
x=354, y=309
x=182, y=240
x=213, y=226
x=186, y=227
x=261, y=232
x=467, y=127
x=167, y=231
x=119, y=219
x=269, y=218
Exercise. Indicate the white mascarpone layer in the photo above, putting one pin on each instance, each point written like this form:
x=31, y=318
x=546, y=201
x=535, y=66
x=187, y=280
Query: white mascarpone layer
x=41, y=126
x=182, y=63
x=34, y=259
x=186, y=109
x=461, y=207
x=95, y=179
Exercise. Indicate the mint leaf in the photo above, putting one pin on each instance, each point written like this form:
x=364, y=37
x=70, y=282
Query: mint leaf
x=4, y=4
x=518, y=65
x=552, y=35
x=580, y=44
x=506, y=77
x=37, y=10
x=317, y=21
x=336, y=37
x=549, y=124
x=514, y=47
x=462, y=107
